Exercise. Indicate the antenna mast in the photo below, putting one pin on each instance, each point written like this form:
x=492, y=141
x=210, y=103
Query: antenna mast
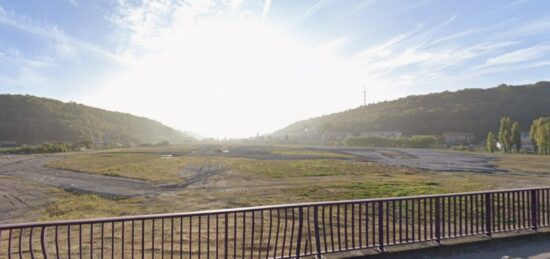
x=364, y=96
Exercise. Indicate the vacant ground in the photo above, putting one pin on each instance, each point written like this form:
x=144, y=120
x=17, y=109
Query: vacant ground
x=427, y=159
x=187, y=178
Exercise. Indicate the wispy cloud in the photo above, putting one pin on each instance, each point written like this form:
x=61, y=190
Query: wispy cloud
x=520, y=55
x=74, y=2
x=51, y=32
x=515, y=3
x=265, y=12
x=526, y=28
x=312, y=9
x=424, y=55
x=23, y=70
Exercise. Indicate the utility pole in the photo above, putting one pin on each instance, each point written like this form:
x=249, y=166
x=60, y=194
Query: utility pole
x=364, y=96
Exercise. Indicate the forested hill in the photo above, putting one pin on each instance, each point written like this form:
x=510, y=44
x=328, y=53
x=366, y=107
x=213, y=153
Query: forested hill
x=34, y=120
x=471, y=110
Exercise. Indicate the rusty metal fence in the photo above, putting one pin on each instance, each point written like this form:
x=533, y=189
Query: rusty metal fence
x=283, y=231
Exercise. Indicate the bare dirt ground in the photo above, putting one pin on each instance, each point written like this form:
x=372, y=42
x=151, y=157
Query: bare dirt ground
x=426, y=159
x=27, y=186
x=34, y=168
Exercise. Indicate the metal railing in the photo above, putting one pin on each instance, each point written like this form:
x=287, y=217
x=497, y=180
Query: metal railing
x=283, y=231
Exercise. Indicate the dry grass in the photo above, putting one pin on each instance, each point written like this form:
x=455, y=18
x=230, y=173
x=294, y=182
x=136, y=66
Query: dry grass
x=523, y=163
x=90, y=206
x=251, y=182
x=154, y=168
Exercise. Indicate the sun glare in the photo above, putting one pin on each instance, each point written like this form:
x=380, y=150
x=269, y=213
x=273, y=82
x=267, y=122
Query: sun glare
x=228, y=79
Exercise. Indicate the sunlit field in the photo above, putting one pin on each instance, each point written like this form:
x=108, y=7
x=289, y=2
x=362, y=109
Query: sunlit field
x=263, y=175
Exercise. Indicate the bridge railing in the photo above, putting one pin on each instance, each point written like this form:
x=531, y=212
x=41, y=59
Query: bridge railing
x=283, y=231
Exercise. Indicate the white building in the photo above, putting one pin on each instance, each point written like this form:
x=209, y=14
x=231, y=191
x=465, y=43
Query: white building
x=458, y=138
x=526, y=143
x=382, y=134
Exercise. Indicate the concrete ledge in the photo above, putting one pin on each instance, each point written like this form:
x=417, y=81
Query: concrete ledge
x=514, y=244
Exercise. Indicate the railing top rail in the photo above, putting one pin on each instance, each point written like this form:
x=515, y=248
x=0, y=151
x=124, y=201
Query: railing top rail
x=257, y=208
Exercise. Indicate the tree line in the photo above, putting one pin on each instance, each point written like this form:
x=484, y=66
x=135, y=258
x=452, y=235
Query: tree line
x=509, y=136
x=33, y=120
x=472, y=110
x=417, y=141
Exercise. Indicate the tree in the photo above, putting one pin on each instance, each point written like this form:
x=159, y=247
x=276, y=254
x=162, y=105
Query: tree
x=516, y=136
x=504, y=134
x=491, y=142
x=540, y=133
x=533, y=134
x=542, y=139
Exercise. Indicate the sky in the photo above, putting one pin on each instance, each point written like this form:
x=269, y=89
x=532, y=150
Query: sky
x=238, y=68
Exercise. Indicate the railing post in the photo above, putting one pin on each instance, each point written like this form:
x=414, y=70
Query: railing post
x=438, y=220
x=226, y=236
x=534, y=210
x=316, y=225
x=43, y=243
x=381, y=226
x=488, y=216
x=299, y=237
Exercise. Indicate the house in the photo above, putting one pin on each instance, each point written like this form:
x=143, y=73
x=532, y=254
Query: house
x=526, y=143
x=8, y=144
x=336, y=136
x=458, y=138
x=382, y=134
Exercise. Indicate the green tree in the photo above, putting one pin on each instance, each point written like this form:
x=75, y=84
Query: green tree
x=491, y=142
x=542, y=139
x=505, y=133
x=516, y=136
x=533, y=133
x=540, y=133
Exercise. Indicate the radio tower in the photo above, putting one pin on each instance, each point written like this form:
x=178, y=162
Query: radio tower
x=364, y=96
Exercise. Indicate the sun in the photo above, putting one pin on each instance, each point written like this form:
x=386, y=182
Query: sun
x=226, y=78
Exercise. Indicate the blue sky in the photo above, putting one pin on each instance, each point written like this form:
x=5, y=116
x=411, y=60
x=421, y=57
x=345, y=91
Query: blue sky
x=237, y=68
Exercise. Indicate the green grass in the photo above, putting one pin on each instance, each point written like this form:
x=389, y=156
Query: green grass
x=304, y=167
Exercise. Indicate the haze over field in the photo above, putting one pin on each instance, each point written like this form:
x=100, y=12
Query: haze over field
x=236, y=68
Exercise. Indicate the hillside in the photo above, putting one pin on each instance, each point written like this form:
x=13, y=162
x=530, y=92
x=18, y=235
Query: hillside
x=34, y=120
x=471, y=110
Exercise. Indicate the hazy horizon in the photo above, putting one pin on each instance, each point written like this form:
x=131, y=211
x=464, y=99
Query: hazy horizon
x=238, y=68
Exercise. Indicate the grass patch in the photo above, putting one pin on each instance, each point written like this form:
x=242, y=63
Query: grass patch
x=304, y=167
x=90, y=206
x=527, y=163
x=137, y=166
x=396, y=184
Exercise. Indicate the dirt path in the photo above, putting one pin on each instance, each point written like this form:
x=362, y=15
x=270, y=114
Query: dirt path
x=33, y=168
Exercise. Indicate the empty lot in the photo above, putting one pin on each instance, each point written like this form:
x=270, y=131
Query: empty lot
x=155, y=180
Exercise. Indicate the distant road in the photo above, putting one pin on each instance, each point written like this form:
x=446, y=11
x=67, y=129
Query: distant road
x=427, y=159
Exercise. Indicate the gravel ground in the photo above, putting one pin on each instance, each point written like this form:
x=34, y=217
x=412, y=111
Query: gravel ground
x=427, y=159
